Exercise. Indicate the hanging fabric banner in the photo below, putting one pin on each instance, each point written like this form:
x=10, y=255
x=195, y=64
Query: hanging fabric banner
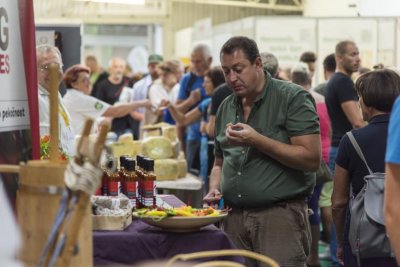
x=19, y=126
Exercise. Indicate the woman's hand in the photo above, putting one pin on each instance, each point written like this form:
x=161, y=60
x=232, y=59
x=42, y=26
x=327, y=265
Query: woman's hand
x=164, y=104
x=144, y=103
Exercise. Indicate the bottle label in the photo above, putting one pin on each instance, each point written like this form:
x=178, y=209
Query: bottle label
x=131, y=188
x=149, y=193
x=113, y=188
x=149, y=188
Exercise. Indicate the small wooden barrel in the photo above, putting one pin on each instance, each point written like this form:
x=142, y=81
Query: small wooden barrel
x=38, y=201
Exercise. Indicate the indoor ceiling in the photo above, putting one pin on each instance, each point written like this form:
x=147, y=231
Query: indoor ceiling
x=282, y=5
x=81, y=11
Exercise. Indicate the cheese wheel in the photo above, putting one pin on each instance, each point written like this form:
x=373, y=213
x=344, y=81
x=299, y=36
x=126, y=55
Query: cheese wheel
x=169, y=132
x=127, y=137
x=151, y=132
x=176, y=149
x=182, y=168
x=166, y=169
x=157, y=147
x=130, y=148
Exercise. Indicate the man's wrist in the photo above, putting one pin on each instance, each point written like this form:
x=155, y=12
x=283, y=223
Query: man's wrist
x=214, y=189
x=256, y=139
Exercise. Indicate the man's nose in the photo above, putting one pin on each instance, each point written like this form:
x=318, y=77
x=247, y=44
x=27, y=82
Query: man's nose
x=232, y=76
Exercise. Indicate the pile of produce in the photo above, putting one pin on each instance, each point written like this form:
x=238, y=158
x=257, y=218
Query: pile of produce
x=184, y=211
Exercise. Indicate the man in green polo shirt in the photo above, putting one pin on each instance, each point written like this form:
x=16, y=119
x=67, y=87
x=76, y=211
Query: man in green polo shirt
x=267, y=148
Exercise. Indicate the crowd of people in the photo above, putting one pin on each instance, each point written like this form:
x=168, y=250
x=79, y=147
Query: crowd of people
x=256, y=135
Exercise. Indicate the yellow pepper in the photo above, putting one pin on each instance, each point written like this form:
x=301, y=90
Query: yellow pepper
x=157, y=213
x=214, y=213
x=181, y=212
x=187, y=208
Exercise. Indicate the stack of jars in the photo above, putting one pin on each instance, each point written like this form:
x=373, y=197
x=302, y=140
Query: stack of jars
x=136, y=181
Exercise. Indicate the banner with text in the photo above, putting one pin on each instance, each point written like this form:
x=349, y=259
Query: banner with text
x=19, y=127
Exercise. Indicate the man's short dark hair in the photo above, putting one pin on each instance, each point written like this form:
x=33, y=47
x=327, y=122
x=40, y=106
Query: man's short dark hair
x=330, y=63
x=300, y=75
x=247, y=45
x=341, y=47
x=379, y=89
x=308, y=57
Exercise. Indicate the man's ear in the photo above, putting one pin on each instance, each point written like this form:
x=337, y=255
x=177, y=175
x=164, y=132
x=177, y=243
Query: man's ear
x=338, y=58
x=258, y=62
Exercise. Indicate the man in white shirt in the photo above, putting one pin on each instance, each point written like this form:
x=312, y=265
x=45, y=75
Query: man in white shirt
x=46, y=55
x=141, y=88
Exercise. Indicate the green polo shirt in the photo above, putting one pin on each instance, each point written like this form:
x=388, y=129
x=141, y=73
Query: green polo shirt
x=250, y=178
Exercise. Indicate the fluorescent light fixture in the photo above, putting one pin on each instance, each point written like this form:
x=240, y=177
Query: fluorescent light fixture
x=382, y=8
x=124, y=2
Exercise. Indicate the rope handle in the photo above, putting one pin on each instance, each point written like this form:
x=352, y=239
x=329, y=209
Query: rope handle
x=220, y=253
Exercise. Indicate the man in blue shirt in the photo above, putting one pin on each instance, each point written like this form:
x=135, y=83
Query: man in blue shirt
x=392, y=187
x=201, y=61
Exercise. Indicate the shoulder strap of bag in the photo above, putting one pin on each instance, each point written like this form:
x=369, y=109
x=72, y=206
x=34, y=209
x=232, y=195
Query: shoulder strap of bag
x=190, y=83
x=358, y=150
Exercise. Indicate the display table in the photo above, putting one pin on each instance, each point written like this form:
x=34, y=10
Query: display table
x=142, y=242
x=187, y=189
x=190, y=182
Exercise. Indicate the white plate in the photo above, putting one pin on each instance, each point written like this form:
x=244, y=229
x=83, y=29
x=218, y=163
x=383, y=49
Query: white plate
x=181, y=224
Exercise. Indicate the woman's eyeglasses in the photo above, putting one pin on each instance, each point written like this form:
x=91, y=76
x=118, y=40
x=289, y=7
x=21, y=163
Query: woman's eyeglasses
x=45, y=67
